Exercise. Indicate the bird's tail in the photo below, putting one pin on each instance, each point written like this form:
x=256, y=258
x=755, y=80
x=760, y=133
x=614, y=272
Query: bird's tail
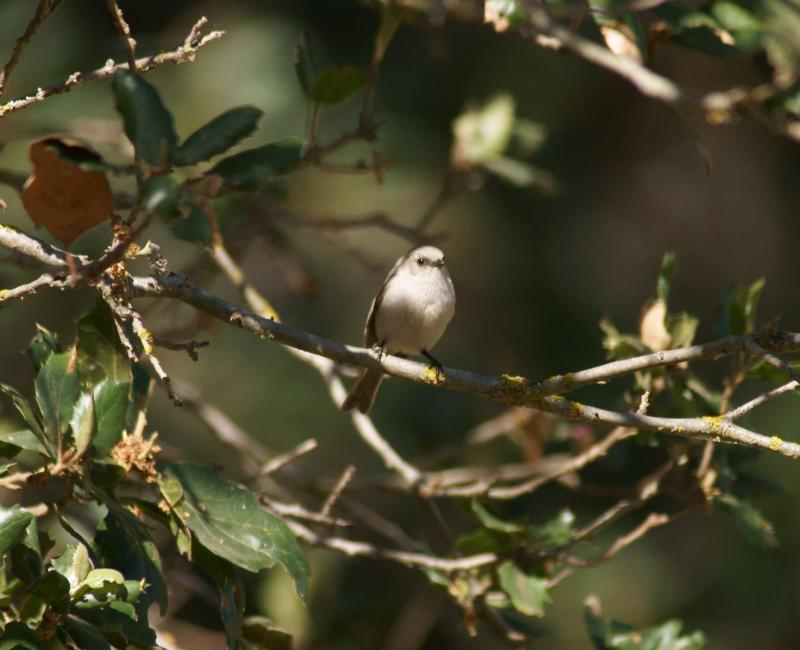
x=362, y=395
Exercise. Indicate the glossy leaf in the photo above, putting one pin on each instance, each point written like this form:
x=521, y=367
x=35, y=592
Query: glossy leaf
x=111, y=402
x=13, y=524
x=18, y=636
x=528, y=593
x=74, y=564
x=159, y=194
x=219, y=135
x=42, y=345
x=57, y=389
x=15, y=441
x=86, y=636
x=250, y=169
x=227, y=521
x=148, y=124
x=131, y=550
x=100, y=353
x=756, y=528
x=30, y=417
x=556, y=532
x=613, y=635
x=83, y=423
x=492, y=521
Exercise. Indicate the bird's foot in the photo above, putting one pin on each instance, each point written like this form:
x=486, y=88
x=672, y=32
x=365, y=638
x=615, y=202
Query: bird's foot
x=434, y=373
x=380, y=350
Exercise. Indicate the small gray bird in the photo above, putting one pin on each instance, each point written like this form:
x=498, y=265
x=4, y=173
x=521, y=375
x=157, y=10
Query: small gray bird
x=408, y=316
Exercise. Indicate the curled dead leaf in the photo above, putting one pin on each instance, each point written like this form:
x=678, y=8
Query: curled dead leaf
x=652, y=328
x=64, y=194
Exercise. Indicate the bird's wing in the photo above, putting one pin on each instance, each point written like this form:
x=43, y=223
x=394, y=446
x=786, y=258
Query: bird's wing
x=370, y=335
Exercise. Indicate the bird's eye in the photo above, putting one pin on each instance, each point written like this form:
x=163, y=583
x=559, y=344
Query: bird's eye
x=420, y=261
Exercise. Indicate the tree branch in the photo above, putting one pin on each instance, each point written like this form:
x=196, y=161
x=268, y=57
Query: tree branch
x=182, y=54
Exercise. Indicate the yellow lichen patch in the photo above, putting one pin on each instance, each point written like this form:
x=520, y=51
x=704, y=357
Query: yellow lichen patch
x=514, y=386
x=775, y=443
x=715, y=422
x=432, y=375
x=147, y=340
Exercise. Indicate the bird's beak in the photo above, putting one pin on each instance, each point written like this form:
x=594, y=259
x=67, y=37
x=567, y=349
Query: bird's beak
x=439, y=262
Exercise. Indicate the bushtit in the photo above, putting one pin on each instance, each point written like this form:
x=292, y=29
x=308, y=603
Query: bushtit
x=408, y=316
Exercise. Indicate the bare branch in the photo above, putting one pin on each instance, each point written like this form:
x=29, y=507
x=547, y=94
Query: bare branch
x=124, y=31
x=182, y=54
x=274, y=464
x=761, y=399
x=337, y=490
x=44, y=10
x=363, y=549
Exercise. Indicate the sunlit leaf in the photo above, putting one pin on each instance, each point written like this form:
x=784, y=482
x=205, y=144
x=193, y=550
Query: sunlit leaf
x=57, y=388
x=528, y=593
x=74, y=564
x=227, y=520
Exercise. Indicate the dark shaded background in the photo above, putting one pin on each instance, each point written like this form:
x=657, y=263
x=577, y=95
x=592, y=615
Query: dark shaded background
x=534, y=275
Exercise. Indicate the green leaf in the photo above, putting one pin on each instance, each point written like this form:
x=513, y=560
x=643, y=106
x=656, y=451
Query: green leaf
x=25, y=409
x=250, y=169
x=57, y=388
x=74, y=564
x=83, y=423
x=304, y=67
x=618, y=345
x=42, y=345
x=227, y=521
x=621, y=636
x=148, y=124
x=336, y=83
x=18, y=636
x=491, y=521
x=53, y=589
x=111, y=402
x=194, y=227
x=682, y=328
x=756, y=528
x=17, y=440
x=484, y=132
x=104, y=364
x=556, y=532
x=228, y=579
x=118, y=622
x=131, y=550
x=101, y=355
x=86, y=636
x=159, y=194
x=263, y=633
x=219, y=135
x=101, y=583
x=737, y=313
x=13, y=524
x=528, y=593
x=669, y=265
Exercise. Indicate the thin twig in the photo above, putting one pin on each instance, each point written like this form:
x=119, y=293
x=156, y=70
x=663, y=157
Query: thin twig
x=761, y=399
x=182, y=54
x=274, y=464
x=124, y=31
x=44, y=10
x=337, y=490
x=363, y=549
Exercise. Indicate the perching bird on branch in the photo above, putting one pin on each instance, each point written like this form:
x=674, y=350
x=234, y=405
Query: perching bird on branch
x=408, y=316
